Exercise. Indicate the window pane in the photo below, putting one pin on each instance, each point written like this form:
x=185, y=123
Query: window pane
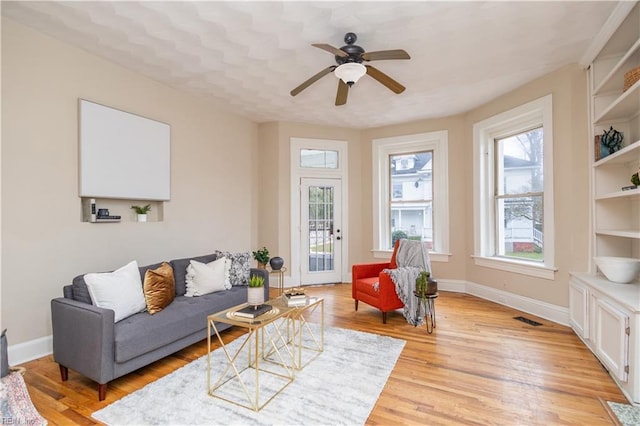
x=321, y=218
x=316, y=158
x=519, y=161
x=411, y=196
x=520, y=234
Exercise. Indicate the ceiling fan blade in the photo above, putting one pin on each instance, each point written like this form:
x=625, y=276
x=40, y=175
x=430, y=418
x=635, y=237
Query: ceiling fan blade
x=312, y=80
x=331, y=49
x=343, y=92
x=385, y=54
x=390, y=83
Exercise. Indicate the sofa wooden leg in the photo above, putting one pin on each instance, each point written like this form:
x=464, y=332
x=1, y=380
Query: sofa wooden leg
x=64, y=373
x=102, y=391
x=356, y=304
x=384, y=317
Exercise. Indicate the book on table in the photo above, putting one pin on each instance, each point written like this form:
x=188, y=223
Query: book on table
x=253, y=311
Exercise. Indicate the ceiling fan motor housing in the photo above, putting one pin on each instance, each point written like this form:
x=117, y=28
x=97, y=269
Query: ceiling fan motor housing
x=354, y=51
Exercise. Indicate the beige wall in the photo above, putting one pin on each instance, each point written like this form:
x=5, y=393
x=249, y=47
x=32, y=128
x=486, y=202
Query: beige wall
x=571, y=183
x=214, y=160
x=275, y=190
x=571, y=192
x=225, y=170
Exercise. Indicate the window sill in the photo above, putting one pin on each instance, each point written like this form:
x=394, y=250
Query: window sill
x=433, y=256
x=519, y=267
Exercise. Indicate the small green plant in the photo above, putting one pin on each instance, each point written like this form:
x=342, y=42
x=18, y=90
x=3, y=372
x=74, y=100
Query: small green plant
x=261, y=255
x=422, y=283
x=142, y=210
x=256, y=281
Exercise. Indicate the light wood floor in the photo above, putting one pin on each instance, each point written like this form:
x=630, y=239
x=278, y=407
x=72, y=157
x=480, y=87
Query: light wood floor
x=479, y=367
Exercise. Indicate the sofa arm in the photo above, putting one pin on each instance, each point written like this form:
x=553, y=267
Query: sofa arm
x=264, y=274
x=83, y=338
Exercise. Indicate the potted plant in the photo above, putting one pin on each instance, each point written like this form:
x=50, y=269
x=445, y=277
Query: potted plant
x=255, y=291
x=262, y=257
x=425, y=286
x=142, y=212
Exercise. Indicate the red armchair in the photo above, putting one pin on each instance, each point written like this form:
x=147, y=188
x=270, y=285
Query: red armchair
x=364, y=277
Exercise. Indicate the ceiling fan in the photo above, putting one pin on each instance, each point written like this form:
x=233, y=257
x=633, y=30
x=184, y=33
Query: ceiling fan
x=349, y=69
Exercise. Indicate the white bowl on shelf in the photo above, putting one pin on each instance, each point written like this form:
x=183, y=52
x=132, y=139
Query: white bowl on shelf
x=621, y=270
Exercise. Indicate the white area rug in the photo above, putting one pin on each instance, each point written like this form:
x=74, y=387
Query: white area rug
x=339, y=387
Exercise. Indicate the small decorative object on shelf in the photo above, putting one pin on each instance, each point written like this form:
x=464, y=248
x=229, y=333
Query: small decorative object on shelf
x=635, y=178
x=276, y=263
x=597, y=155
x=611, y=140
x=631, y=77
x=262, y=257
x=142, y=212
x=255, y=291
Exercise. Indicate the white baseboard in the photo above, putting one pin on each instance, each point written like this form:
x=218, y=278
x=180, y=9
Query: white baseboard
x=37, y=348
x=28, y=351
x=544, y=310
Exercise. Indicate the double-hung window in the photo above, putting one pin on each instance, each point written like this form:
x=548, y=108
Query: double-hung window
x=513, y=190
x=410, y=192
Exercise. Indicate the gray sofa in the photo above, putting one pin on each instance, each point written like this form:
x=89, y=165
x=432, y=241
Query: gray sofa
x=86, y=340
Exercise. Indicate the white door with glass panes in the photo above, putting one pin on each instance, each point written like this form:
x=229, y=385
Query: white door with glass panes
x=321, y=230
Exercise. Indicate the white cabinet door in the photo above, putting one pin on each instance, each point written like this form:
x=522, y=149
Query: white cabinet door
x=578, y=308
x=611, y=338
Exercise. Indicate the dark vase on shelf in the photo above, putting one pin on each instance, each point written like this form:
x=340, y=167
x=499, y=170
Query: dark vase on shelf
x=276, y=263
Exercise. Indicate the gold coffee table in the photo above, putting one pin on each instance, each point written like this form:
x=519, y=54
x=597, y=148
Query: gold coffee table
x=296, y=327
x=245, y=370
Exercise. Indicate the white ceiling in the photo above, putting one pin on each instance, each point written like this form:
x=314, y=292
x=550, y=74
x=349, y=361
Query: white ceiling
x=247, y=56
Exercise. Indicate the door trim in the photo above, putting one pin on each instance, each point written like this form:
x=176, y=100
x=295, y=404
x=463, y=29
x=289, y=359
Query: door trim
x=297, y=173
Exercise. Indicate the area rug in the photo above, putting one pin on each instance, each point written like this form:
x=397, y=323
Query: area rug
x=623, y=414
x=16, y=407
x=339, y=387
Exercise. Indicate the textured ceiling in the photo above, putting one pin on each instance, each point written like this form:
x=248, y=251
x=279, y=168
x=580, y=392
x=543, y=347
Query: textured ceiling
x=248, y=56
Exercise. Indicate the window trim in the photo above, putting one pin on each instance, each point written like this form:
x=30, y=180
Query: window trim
x=522, y=118
x=381, y=149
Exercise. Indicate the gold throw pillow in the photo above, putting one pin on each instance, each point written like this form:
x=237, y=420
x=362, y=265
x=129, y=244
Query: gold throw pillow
x=159, y=288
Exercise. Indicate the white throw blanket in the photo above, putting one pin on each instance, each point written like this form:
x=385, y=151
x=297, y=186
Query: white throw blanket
x=412, y=258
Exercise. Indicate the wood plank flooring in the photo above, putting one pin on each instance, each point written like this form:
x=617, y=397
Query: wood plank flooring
x=479, y=367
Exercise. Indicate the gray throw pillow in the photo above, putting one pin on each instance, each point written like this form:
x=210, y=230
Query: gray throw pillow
x=240, y=267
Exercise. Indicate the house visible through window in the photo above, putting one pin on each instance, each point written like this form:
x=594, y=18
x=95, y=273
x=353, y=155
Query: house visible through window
x=519, y=195
x=412, y=198
x=513, y=190
x=410, y=192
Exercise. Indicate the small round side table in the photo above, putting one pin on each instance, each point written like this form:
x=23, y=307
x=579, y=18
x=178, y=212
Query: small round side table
x=280, y=273
x=429, y=304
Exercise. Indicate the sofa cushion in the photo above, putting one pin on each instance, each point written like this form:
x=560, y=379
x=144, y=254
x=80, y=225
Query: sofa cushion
x=159, y=288
x=142, y=333
x=120, y=290
x=180, y=270
x=240, y=266
x=206, y=278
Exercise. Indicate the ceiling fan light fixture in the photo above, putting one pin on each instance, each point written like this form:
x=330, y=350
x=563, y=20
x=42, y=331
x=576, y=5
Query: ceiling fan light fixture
x=350, y=72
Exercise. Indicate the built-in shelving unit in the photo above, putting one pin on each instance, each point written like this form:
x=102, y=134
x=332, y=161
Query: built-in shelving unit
x=122, y=208
x=606, y=315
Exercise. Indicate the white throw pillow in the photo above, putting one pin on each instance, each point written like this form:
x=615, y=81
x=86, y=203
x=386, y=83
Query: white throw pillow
x=207, y=278
x=120, y=290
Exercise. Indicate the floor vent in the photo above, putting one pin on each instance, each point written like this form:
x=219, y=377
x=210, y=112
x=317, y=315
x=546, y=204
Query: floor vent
x=528, y=321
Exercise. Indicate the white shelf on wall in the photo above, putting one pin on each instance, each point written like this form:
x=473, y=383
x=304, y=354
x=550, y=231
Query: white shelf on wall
x=601, y=312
